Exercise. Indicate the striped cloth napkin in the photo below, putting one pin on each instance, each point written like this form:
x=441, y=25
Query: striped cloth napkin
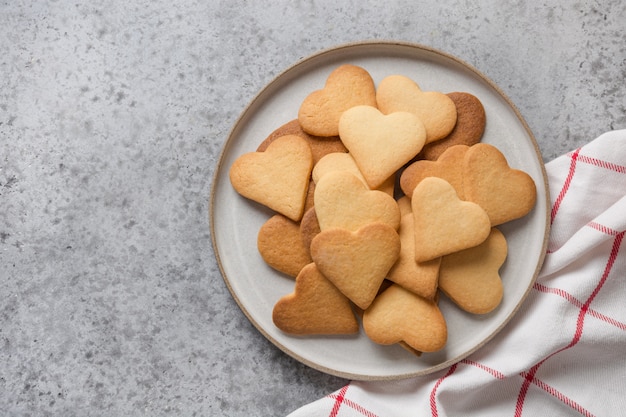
x=564, y=353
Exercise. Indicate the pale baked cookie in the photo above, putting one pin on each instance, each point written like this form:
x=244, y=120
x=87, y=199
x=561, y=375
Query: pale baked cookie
x=277, y=178
x=503, y=192
x=336, y=162
x=340, y=161
x=347, y=86
x=320, y=146
x=398, y=315
x=448, y=166
x=443, y=223
x=471, y=279
x=280, y=244
x=469, y=128
x=342, y=200
x=418, y=277
x=315, y=307
x=435, y=109
x=356, y=262
x=380, y=143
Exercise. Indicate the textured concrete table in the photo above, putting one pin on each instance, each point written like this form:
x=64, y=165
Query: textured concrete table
x=112, y=118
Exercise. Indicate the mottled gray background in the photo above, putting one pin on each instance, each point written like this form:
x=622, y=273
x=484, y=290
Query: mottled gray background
x=112, y=117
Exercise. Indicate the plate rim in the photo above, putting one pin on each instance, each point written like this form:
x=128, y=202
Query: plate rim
x=261, y=93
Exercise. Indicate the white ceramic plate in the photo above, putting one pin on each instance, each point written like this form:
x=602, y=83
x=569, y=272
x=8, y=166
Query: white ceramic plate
x=235, y=221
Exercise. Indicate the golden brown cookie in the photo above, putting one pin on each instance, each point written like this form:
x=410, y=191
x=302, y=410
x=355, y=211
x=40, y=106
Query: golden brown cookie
x=398, y=315
x=315, y=307
x=420, y=278
x=346, y=86
x=280, y=244
x=356, y=262
x=503, y=192
x=435, y=109
x=448, y=166
x=469, y=128
x=277, y=178
x=443, y=223
x=470, y=278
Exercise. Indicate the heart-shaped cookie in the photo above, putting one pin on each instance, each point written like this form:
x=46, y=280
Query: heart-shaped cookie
x=443, y=223
x=435, y=109
x=342, y=200
x=347, y=86
x=315, y=307
x=470, y=278
x=448, y=166
x=503, y=192
x=339, y=161
x=397, y=315
x=380, y=143
x=469, y=128
x=356, y=262
x=277, y=178
x=420, y=278
x=280, y=244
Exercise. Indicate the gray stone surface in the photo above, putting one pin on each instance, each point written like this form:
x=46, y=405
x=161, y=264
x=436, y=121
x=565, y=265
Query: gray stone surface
x=112, y=117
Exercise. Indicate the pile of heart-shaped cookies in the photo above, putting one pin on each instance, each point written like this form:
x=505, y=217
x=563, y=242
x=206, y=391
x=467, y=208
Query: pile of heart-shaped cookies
x=384, y=197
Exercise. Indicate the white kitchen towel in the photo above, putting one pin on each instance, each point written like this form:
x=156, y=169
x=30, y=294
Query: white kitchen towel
x=564, y=352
